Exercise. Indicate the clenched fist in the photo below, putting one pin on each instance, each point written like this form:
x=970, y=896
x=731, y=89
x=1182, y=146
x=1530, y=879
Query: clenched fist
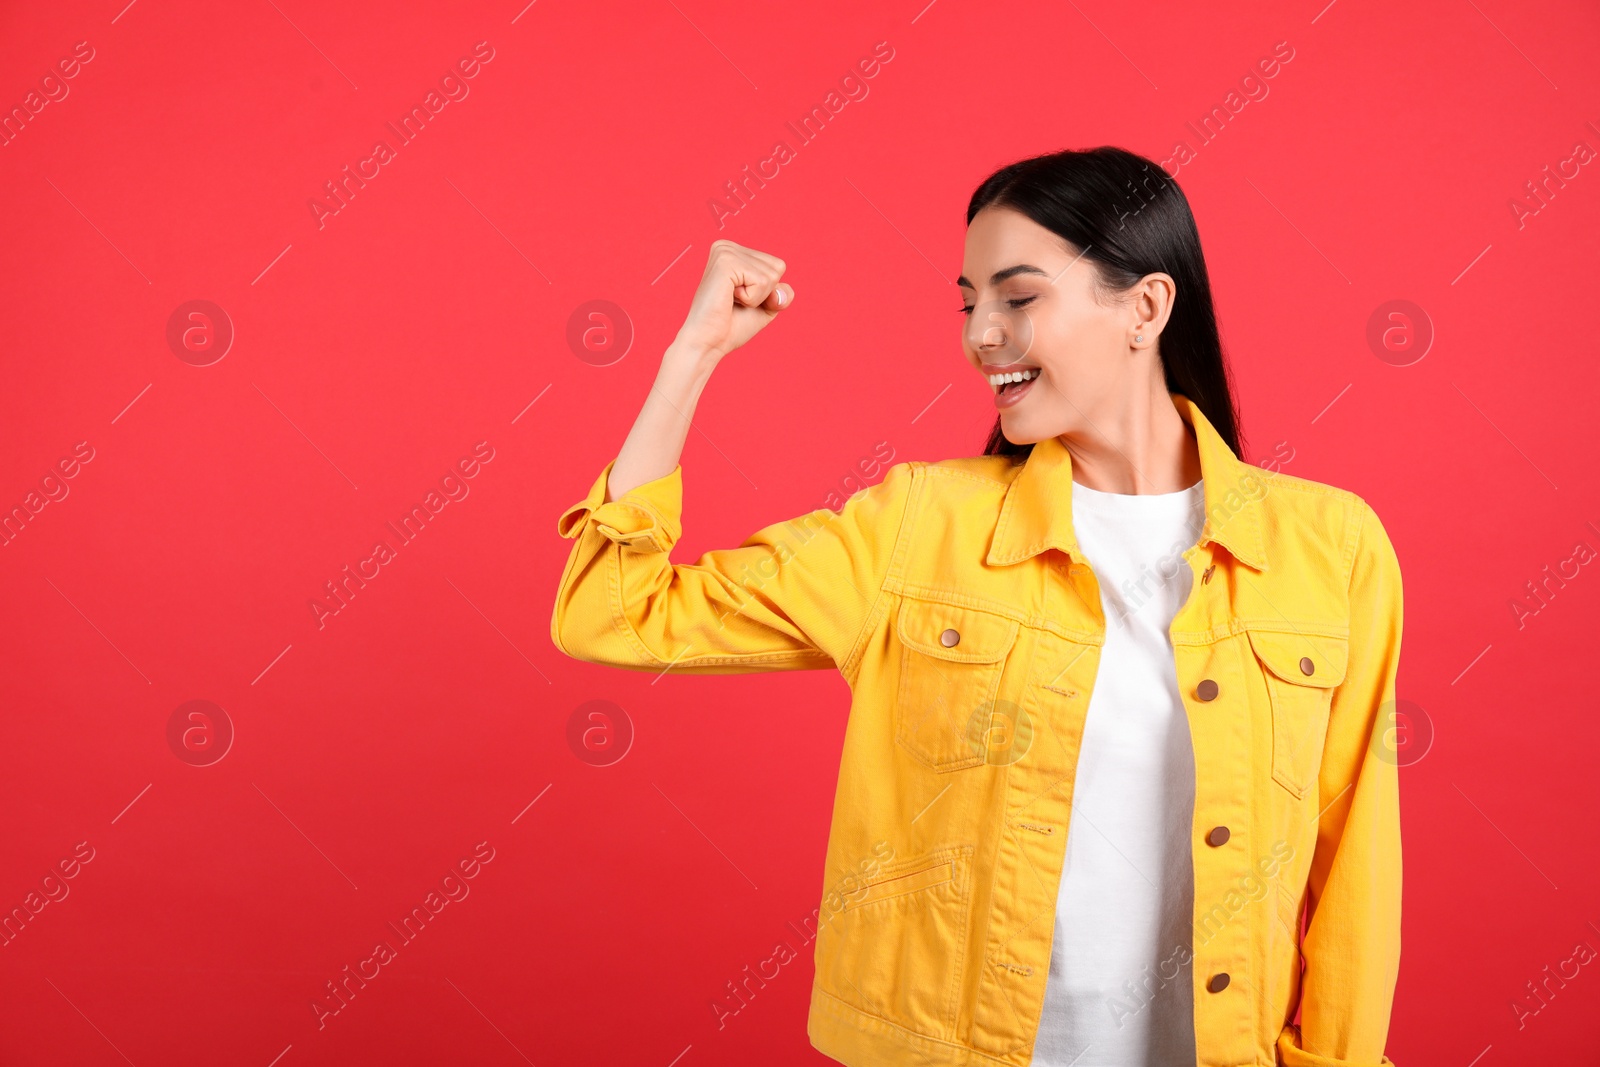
x=738, y=295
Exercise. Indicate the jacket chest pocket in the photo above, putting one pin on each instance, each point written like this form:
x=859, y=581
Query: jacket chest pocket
x=951, y=661
x=1301, y=672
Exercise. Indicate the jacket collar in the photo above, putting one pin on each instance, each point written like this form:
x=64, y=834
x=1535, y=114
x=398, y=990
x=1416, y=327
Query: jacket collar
x=1037, y=513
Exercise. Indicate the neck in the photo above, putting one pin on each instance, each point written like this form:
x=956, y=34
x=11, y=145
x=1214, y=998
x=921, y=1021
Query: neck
x=1135, y=445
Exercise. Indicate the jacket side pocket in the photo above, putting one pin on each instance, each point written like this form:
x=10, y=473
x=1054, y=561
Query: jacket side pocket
x=896, y=945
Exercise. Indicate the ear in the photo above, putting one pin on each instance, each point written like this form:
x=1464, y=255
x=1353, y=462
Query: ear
x=1153, y=298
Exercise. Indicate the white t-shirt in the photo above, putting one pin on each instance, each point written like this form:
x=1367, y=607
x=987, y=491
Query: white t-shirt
x=1118, y=993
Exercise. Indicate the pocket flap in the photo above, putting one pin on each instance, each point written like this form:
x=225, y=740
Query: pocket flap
x=1287, y=654
x=979, y=636
x=900, y=884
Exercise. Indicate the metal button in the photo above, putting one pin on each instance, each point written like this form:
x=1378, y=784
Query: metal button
x=1306, y=666
x=1218, y=982
x=949, y=638
x=1206, y=690
x=1218, y=836
x=1206, y=575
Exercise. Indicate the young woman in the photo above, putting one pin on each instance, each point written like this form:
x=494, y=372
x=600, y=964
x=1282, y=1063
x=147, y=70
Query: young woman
x=1115, y=787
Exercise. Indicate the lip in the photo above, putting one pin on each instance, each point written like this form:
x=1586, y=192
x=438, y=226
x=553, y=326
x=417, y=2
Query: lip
x=987, y=369
x=1015, y=394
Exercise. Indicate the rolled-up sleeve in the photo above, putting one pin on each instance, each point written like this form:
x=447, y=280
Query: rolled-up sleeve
x=1352, y=940
x=795, y=595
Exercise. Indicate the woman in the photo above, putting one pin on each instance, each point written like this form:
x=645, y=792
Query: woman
x=1119, y=698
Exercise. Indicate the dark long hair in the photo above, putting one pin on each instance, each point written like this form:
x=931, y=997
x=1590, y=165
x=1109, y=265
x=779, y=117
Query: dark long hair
x=1129, y=218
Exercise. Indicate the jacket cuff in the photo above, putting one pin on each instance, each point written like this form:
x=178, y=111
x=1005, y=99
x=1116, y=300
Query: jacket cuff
x=1290, y=1054
x=645, y=518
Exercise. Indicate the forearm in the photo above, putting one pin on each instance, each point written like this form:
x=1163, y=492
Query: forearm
x=655, y=443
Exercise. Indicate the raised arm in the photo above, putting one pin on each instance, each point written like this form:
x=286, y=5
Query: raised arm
x=795, y=595
x=739, y=294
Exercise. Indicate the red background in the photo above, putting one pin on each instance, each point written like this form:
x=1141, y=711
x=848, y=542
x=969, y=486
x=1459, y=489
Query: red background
x=373, y=352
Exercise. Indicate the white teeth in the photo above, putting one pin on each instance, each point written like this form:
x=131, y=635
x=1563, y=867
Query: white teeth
x=998, y=380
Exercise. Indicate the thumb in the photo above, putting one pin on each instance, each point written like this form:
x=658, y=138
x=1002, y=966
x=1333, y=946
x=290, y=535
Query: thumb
x=782, y=296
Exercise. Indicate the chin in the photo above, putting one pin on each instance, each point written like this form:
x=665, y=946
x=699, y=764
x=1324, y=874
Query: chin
x=1022, y=429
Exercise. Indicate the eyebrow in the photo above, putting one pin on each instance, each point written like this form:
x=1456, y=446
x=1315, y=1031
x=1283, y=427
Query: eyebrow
x=1001, y=275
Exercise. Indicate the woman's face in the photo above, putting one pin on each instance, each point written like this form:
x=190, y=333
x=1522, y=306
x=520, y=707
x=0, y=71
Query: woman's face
x=1031, y=309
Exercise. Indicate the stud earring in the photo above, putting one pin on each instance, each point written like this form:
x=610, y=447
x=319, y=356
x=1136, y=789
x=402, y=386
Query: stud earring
x=1138, y=337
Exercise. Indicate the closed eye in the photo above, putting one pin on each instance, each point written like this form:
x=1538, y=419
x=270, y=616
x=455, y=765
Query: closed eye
x=1017, y=304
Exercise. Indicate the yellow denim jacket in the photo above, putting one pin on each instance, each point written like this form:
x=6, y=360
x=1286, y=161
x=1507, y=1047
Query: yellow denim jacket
x=957, y=604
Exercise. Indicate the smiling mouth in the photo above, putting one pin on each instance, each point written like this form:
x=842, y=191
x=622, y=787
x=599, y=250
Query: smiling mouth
x=1002, y=382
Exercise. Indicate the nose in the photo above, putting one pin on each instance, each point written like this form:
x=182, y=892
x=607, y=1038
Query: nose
x=997, y=333
x=987, y=330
